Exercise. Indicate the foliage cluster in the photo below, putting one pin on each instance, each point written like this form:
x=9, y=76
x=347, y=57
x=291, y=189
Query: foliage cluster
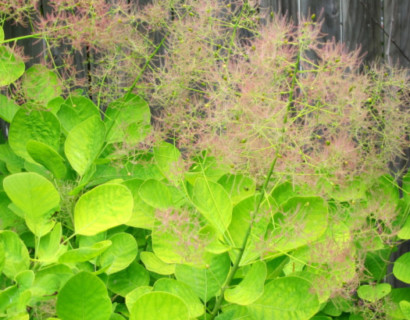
x=222, y=163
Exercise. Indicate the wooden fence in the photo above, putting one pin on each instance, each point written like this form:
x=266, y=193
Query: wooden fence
x=381, y=28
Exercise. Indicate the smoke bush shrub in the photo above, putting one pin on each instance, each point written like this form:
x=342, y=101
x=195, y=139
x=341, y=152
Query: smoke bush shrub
x=215, y=162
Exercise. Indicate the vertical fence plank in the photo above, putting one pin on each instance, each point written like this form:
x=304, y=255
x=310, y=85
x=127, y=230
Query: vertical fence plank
x=361, y=27
x=282, y=7
x=397, y=40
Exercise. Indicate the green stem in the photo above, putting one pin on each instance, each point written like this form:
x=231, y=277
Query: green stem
x=235, y=267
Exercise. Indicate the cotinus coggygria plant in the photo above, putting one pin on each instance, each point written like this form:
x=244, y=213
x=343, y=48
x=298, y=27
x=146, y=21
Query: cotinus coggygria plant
x=255, y=187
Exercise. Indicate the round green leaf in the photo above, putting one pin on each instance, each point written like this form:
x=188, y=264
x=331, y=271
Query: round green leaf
x=401, y=268
x=102, y=208
x=41, y=84
x=135, y=294
x=143, y=215
x=167, y=157
x=301, y=221
x=48, y=157
x=11, y=68
x=125, y=281
x=36, y=197
x=84, y=297
x=213, y=202
x=123, y=251
x=50, y=247
x=405, y=308
x=16, y=257
x=156, y=194
x=373, y=293
x=40, y=126
x=75, y=110
x=84, y=143
x=159, y=305
x=206, y=282
x=7, y=108
x=181, y=290
x=287, y=298
x=238, y=186
x=250, y=288
x=155, y=264
x=128, y=120
x=85, y=253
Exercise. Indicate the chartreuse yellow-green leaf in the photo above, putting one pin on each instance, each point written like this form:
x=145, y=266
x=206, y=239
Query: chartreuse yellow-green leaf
x=373, y=293
x=135, y=294
x=126, y=280
x=239, y=187
x=47, y=157
x=15, y=255
x=250, y=288
x=84, y=143
x=206, y=282
x=11, y=67
x=155, y=264
x=213, y=202
x=401, y=268
x=1, y=34
x=84, y=253
x=167, y=157
x=40, y=84
x=102, y=208
x=156, y=194
x=405, y=308
x=120, y=254
x=50, y=248
x=36, y=197
x=84, y=297
x=302, y=220
x=8, y=108
x=35, y=125
x=288, y=298
x=159, y=305
x=181, y=290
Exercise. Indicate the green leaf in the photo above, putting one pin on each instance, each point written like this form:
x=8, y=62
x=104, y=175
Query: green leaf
x=84, y=143
x=239, y=187
x=401, y=268
x=123, y=251
x=11, y=67
x=405, y=308
x=287, y=298
x=126, y=280
x=373, y=293
x=128, y=120
x=283, y=192
x=16, y=257
x=301, y=221
x=40, y=126
x=50, y=280
x=84, y=297
x=142, y=215
x=406, y=187
x=376, y=263
x=135, y=294
x=36, y=197
x=40, y=84
x=206, y=282
x=154, y=264
x=250, y=288
x=181, y=290
x=7, y=108
x=47, y=157
x=75, y=110
x=156, y=194
x=213, y=202
x=50, y=248
x=14, y=163
x=404, y=232
x=167, y=157
x=102, y=208
x=85, y=253
x=1, y=34
x=159, y=305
